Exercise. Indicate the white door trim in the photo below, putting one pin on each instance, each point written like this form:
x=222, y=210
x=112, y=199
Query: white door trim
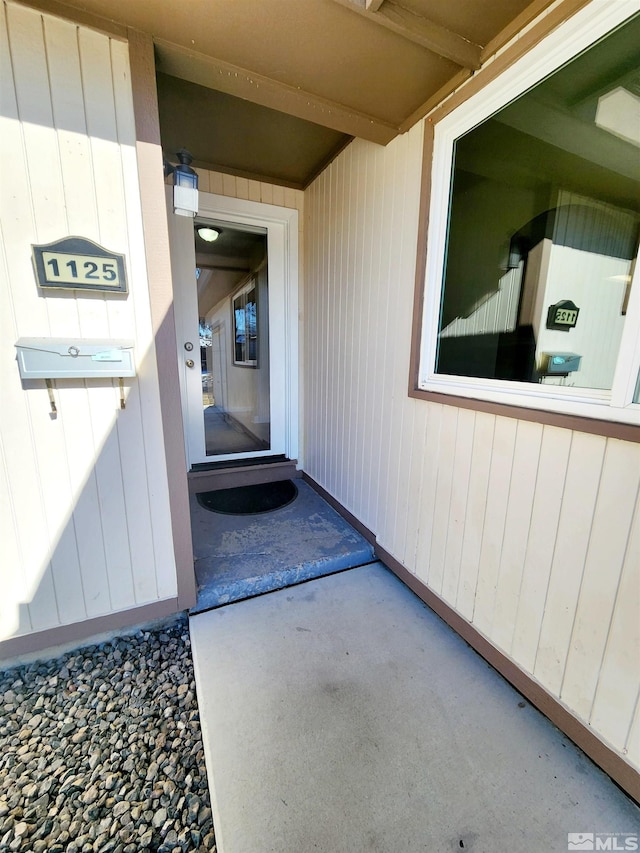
x=281, y=224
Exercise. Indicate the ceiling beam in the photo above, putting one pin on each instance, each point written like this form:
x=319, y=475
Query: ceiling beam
x=233, y=80
x=420, y=30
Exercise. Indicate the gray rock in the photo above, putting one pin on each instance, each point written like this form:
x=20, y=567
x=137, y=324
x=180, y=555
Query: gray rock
x=83, y=766
x=121, y=808
x=159, y=818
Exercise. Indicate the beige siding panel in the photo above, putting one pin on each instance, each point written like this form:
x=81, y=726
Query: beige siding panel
x=518, y=519
x=377, y=331
x=86, y=509
x=414, y=486
x=97, y=537
x=140, y=437
x=338, y=368
x=576, y=515
x=444, y=485
x=481, y=452
x=254, y=190
x=203, y=180
x=616, y=695
x=504, y=439
x=543, y=529
x=428, y=501
x=58, y=555
x=266, y=193
x=369, y=402
x=216, y=184
x=229, y=185
x=458, y=504
x=242, y=188
x=632, y=745
x=600, y=581
x=387, y=305
x=402, y=269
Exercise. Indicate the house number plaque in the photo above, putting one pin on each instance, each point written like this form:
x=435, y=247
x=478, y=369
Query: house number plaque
x=563, y=315
x=75, y=263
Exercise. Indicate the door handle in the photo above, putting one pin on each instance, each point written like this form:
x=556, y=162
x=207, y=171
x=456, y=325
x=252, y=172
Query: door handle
x=190, y=362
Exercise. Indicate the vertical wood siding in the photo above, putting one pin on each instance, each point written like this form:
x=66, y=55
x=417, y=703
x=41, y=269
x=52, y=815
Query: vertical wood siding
x=530, y=532
x=85, y=509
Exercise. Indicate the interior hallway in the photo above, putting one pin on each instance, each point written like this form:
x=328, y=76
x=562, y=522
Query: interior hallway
x=343, y=716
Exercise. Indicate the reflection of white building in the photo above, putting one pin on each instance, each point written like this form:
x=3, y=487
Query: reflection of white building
x=583, y=253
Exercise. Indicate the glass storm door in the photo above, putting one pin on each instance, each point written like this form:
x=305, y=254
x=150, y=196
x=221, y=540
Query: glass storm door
x=231, y=367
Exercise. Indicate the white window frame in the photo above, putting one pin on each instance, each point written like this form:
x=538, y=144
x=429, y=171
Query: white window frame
x=567, y=41
x=250, y=284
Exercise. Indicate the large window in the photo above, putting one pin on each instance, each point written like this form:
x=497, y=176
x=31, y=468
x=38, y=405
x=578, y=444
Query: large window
x=535, y=218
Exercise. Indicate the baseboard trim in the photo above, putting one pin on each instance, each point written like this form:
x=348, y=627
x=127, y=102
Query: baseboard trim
x=50, y=638
x=343, y=511
x=622, y=773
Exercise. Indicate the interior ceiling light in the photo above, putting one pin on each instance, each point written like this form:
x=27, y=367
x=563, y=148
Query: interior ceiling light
x=209, y=234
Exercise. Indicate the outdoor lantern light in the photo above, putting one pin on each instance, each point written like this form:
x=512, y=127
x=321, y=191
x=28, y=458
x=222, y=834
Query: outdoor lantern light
x=185, y=184
x=209, y=234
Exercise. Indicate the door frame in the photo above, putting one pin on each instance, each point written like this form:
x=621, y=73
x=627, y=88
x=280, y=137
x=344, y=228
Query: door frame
x=281, y=224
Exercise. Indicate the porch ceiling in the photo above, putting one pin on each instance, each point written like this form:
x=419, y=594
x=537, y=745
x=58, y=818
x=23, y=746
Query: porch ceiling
x=272, y=89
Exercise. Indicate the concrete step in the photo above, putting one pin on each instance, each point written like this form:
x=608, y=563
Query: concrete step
x=232, y=476
x=238, y=557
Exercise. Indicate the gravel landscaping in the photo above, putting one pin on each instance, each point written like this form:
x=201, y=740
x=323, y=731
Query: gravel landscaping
x=100, y=750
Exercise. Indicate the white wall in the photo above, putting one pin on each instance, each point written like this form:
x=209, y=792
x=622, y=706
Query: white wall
x=530, y=532
x=595, y=281
x=85, y=524
x=245, y=390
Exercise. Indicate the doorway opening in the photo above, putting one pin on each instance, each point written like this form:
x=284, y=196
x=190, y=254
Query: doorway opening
x=236, y=315
x=232, y=283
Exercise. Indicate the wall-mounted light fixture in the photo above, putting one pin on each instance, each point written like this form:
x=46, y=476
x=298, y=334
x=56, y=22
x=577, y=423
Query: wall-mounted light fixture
x=209, y=235
x=185, y=184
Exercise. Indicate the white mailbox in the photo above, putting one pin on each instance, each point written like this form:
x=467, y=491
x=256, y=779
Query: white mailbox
x=74, y=358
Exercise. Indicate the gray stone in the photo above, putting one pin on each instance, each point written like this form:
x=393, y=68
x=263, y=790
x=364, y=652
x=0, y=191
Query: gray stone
x=159, y=818
x=90, y=795
x=146, y=839
x=132, y=699
x=120, y=808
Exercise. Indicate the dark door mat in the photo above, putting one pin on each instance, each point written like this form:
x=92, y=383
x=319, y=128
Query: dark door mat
x=249, y=500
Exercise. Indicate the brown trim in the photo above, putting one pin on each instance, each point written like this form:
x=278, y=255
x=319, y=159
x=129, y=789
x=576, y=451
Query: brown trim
x=539, y=31
x=512, y=29
x=610, y=429
x=233, y=80
x=156, y=237
x=43, y=641
x=431, y=103
x=420, y=30
x=78, y=16
x=604, y=756
x=423, y=241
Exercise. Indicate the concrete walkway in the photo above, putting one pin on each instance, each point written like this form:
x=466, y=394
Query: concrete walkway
x=343, y=716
